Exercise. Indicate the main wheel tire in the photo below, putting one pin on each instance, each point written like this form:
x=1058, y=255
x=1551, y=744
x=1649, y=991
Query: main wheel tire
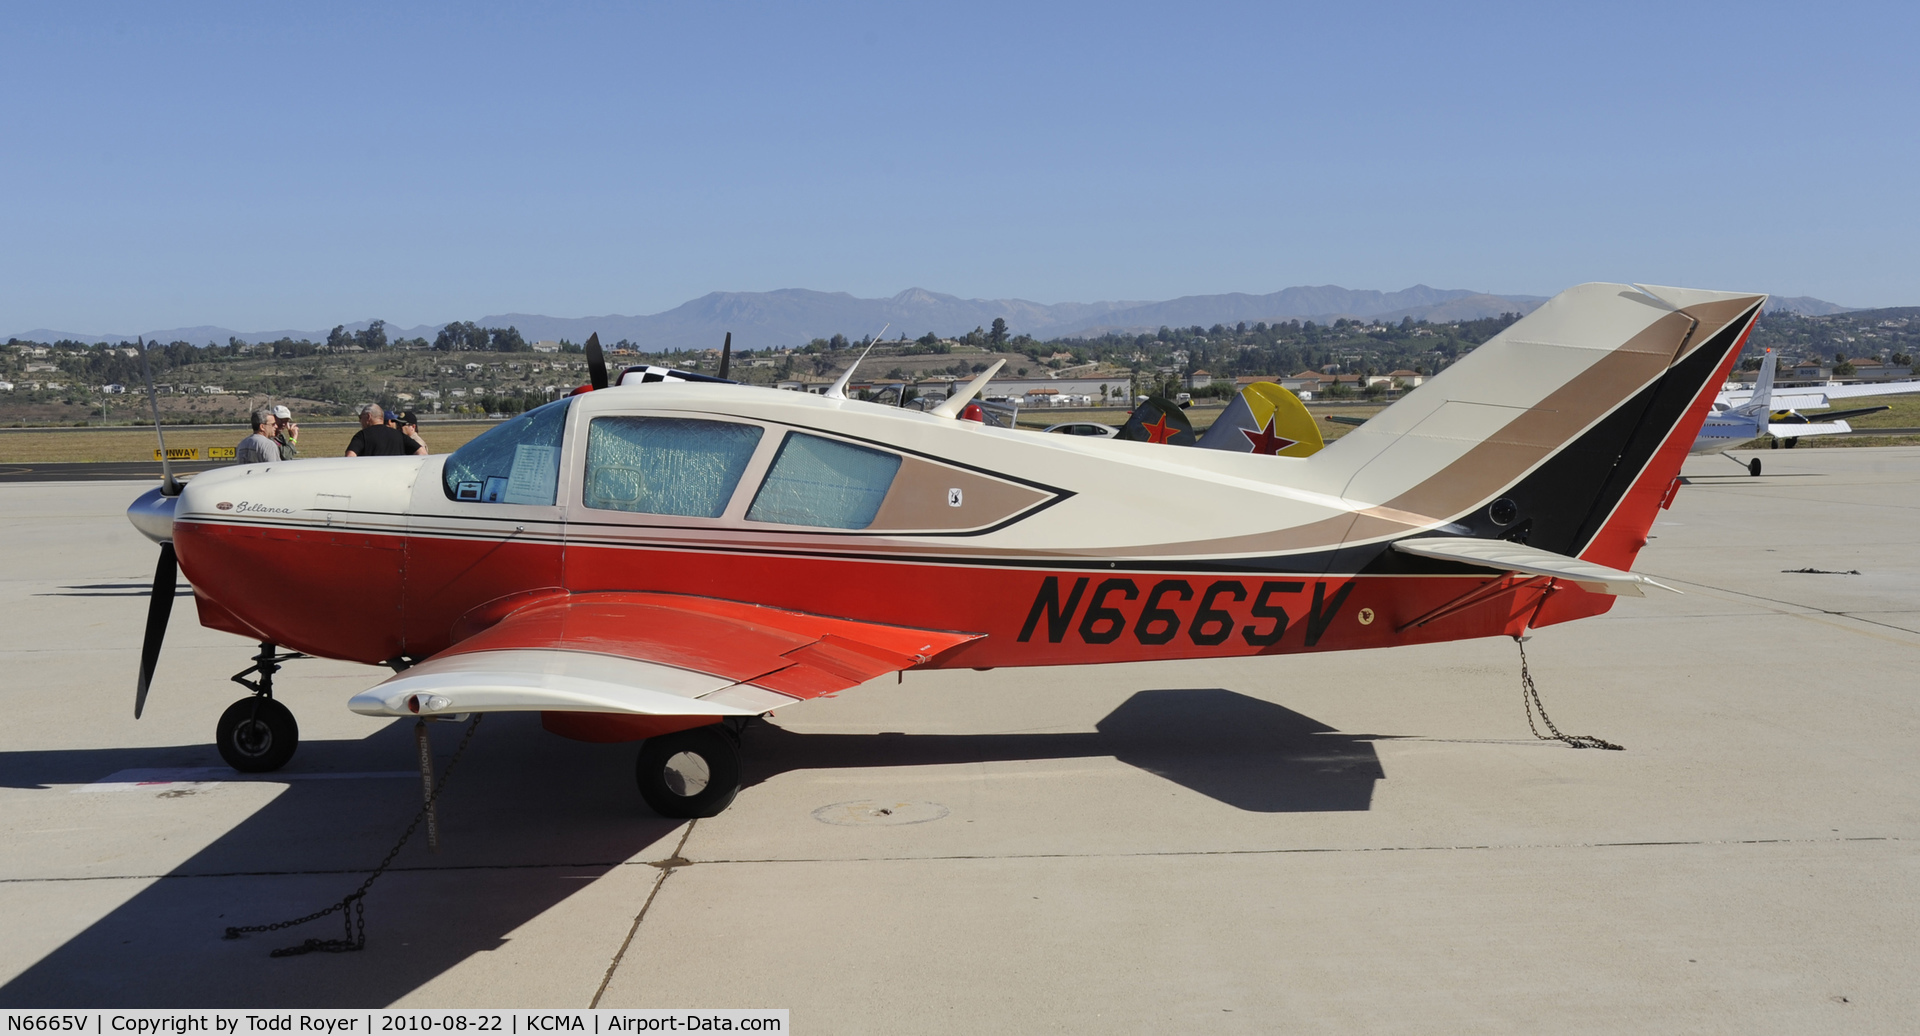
x=690, y=773
x=1792, y=442
x=257, y=735
x=1753, y=467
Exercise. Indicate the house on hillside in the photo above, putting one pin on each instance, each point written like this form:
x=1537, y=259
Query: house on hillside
x=806, y=383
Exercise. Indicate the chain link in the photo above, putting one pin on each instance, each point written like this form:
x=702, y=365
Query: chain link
x=353, y=908
x=1530, y=699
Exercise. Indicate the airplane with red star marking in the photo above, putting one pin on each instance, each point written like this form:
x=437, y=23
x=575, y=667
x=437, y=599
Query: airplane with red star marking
x=665, y=562
x=1265, y=442
x=1267, y=420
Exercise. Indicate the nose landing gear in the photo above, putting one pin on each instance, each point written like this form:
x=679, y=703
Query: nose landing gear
x=258, y=734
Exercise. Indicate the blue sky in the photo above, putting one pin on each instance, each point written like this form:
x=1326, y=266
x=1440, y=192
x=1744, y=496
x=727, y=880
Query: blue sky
x=264, y=166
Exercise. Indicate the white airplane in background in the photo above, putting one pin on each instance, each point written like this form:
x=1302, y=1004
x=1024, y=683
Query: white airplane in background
x=1741, y=416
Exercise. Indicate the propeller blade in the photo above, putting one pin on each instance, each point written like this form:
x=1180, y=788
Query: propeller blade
x=596, y=362
x=726, y=354
x=158, y=609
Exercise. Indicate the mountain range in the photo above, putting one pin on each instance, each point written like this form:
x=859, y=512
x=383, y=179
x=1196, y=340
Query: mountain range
x=794, y=316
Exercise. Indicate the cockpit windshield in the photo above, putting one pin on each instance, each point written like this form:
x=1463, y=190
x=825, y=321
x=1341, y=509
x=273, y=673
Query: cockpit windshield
x=514, y=462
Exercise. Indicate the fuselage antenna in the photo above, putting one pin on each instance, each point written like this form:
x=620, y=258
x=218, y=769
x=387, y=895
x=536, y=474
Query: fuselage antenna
x=839, y=389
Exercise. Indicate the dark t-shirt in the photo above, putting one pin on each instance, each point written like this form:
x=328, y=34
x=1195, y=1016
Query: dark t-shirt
x=380, y=441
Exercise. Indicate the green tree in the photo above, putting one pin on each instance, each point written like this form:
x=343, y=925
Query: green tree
x=998, y=336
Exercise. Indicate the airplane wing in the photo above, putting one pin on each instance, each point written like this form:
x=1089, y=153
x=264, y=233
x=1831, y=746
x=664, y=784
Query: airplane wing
x=644, y=654
x=1780, y=430
x=1812, y=397
x=1883, y=388
x=1845, y=415
x=1506, y=556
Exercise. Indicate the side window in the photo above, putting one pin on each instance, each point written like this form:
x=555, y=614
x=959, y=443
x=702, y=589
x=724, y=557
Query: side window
x=824, y=482
x=661, y=465
x=514, y=462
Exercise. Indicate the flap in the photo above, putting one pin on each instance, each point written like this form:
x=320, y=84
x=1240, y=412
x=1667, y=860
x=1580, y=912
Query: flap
x=652, y=654
x=1506, y=556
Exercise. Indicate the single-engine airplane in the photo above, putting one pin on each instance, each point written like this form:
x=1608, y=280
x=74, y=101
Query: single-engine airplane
x=1732, y=423
x=665, y=561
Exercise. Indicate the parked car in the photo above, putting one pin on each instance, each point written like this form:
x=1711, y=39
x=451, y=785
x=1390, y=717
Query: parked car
x=1105, y=431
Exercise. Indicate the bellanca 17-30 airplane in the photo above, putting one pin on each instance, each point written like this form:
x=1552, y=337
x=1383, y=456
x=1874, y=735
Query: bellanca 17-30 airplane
x=662, y=562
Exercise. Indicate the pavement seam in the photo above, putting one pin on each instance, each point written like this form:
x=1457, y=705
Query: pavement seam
x=1809, y=610
x=667, y=867
x=677, y=862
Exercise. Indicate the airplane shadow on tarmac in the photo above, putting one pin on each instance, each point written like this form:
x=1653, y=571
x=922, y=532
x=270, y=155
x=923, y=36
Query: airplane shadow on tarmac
x=1242, y=751
x=528, y=820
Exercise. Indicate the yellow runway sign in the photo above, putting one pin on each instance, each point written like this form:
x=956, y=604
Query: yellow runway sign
x=220, y=452
x=184, y=454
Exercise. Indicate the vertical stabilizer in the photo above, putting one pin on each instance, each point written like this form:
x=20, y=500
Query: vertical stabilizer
x=1760, y=404
x=1562, y=432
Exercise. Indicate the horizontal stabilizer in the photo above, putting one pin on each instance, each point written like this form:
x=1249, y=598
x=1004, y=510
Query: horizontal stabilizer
x=1507, y=556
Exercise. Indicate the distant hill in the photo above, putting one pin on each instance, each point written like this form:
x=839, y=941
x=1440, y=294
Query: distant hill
x=1804, y=305
x=794, y=316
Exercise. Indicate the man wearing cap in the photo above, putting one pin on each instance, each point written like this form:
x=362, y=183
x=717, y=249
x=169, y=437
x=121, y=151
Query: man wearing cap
x=289, y=433
x=376, y=438
x=260, y=447
x=410, y=427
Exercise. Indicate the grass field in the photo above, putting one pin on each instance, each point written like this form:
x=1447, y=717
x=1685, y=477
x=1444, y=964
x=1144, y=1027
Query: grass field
x=88, y=446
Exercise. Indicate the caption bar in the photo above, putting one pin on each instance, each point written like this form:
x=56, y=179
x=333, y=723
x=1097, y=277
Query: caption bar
x=376, y=1023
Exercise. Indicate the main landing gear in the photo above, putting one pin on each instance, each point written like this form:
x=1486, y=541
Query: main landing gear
x=691, y=773
x=258, y=734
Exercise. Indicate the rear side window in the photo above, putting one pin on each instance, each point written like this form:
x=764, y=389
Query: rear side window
x=824, y=482
x=515, y=462
x=663, y=465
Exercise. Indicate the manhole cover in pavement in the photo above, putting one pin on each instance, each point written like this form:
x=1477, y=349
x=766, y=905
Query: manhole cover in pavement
x=868, y=812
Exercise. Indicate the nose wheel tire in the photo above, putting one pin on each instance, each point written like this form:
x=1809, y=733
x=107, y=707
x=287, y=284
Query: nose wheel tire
x=1753, y=467
x=690, y=773
x=257, y=735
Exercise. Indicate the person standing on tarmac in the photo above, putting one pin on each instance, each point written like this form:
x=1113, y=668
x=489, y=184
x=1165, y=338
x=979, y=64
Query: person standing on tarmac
x=376, y=439
x=410, y=427
x=289, y=433
x=260, y=447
